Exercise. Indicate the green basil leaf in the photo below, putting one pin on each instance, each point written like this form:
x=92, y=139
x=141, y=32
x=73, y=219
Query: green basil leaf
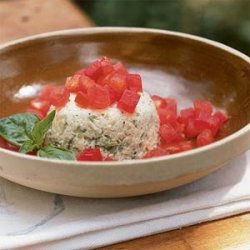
x=17, y=128
x=27, y=146
x=41, y=128
x=55, y=153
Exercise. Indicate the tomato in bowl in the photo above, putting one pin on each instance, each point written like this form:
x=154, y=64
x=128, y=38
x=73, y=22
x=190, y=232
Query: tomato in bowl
x=173, y=65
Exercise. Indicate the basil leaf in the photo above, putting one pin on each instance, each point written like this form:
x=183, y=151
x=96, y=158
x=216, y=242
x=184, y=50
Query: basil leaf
x=17, y=128
x=27, y=147
x=41, y=128
x=55, y=153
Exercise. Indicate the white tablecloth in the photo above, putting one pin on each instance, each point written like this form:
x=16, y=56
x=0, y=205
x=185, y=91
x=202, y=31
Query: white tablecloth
x=31, y=219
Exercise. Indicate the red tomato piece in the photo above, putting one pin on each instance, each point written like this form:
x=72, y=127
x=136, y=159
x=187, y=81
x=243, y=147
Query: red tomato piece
x=194, y=127
x=107, y=66
x=201, y=124
x=179, y=127
x=128, y=101
x=205, y=138
x=170, y=104
x=7, y=145
x=197, y=125
x=36, y=112
x=202, y=106
x=169, y=134
x=90, y=154
x=222, y=118
x=102, y=79
x=32, y=152
x=82, y=100
x=185, y=115
x=72, y=83
x=158, y=101
x=3, y=143
x=156, y=153
x=12, y=147
x=94, y=70
x=112, y=94
x=213, y=124
x=106, y=69
x=166, y=116
x=178, y=147
x=120, y=68
x=59, y=97
x=134, y=82
x=46, y=91
x=85, y=83
x=98, y=97
x=41, y=105
x=117, y=82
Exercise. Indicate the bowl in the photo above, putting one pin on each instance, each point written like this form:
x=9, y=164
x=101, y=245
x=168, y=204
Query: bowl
x=171, y=64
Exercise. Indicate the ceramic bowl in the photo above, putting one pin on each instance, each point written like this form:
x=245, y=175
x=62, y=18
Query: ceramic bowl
x=171, y=64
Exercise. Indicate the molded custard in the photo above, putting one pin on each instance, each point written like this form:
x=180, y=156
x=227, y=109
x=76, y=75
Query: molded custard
x=119, y=135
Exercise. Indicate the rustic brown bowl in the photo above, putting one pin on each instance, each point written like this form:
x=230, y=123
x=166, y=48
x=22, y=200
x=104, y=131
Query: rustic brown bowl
x=175, y=64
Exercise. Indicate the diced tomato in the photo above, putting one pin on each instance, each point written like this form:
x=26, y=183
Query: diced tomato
x=205, y=138
x=201, y=124
x=36, y=112
x=134, y=82
x=106, y=69
x=102, y=79
x=170, y=104
x=166, y=116
x=112, y=94
x=85, y=83
x=167, y=109
x=33, y=152
x=117, y=82
x=120, y=68
x=179, y=127
x=190, y=130
x=82, y=100
x=107, y=66
x=128, y=101
x=213, y=124
x=181, y=146
x=197, y=125
x=202, y=106
x=108, y=159
x=72, y=83
x=158, y=101
x=3, y=143
x=169, y=134
x=41, y=105
x=12, y=147
x=222, y=118
x=90, y=154
x=59, y=97
x=185, y=115
x=156, y=153
x=94, y=70
x=46, y=91
x=98, y=97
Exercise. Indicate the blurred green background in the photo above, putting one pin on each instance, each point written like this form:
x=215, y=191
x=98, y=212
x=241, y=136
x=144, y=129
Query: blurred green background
x=226, y=21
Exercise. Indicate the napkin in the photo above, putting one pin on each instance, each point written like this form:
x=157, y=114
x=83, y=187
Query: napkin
x=31, y=219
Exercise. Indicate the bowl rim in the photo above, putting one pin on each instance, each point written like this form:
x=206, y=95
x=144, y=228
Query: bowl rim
x=97, y=30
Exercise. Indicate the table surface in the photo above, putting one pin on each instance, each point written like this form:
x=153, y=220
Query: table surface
x=19, y=18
